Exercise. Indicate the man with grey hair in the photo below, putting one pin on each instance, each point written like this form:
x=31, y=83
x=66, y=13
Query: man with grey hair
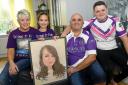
x=18, y=55
x=81, y=49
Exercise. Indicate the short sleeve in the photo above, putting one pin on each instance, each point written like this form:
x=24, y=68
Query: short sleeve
x=11, y=41
x=120, y=30
x=86, y=23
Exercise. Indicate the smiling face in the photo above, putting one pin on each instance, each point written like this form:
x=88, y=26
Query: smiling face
x=24, y=22
x=23, y=18
x=47, y=58
x=76, y=22
x=101, y=12
x=43, y=21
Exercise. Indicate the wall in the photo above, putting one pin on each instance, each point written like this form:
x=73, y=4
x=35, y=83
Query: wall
x=83, y=7
x=69, y=7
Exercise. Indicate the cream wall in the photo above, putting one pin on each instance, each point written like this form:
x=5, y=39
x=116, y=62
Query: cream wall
x=68, y=7
x=84, y=7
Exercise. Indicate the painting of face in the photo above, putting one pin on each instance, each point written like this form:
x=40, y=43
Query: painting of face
x=49, y=61
x=47, y=58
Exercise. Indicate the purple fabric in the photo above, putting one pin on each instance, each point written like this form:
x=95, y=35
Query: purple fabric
x=121, y=33
x=48, y=34
x=91, y=44
x=20, y=41
x=77, y=48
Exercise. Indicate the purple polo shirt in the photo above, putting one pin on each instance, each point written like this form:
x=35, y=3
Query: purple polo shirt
x=48, y=34
x=20, y=41
x=78, y=48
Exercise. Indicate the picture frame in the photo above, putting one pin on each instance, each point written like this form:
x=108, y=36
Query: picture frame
x=49, y=61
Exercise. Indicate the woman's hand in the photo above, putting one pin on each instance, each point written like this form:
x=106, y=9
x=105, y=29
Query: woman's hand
x=55, y=37
x=13, y=69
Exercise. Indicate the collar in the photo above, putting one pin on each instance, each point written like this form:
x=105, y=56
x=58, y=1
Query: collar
x=72, y=33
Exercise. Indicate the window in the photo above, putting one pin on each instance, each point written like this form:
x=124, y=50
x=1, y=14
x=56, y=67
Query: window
x=5, y=20
x=8, y=11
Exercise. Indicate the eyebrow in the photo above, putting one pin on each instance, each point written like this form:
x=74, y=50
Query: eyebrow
x=77, y=19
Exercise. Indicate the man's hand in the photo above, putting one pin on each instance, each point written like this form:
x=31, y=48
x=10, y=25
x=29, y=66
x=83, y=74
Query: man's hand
x=13, y=69
x=71, y=70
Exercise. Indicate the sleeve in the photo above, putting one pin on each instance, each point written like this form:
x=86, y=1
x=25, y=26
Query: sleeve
x=91, y=45
x=120, y=30
x=11, y=41
x=87, y=25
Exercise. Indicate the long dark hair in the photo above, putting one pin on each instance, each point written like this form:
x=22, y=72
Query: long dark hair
x=58, y=68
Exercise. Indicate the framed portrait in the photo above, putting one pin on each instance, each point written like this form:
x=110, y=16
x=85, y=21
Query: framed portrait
x=49, y=61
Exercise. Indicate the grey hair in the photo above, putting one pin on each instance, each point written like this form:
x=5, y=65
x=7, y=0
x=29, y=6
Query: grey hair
x=23, y=12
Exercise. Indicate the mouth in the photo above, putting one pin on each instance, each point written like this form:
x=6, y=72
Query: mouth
x=25, y=25
x=43, y=25
x=51, y=63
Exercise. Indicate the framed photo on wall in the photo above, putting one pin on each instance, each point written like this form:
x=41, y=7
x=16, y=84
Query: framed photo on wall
x=49, y=61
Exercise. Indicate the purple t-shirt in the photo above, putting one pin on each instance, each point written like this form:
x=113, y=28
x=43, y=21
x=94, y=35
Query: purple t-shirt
x=20, y=41
x=78, y=48
x=48, y=34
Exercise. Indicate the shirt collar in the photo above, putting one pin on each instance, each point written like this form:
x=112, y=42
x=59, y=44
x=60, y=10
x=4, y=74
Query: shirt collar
x=72, y=33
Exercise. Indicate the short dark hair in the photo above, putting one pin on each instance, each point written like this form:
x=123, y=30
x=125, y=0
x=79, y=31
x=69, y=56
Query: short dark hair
x=40, y=14
x=99, y=3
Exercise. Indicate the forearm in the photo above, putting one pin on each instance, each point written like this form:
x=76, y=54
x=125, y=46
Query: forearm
x=66, y=31
x=87, y=62
x=10, y=55
x=126, y=47
x=125, y=42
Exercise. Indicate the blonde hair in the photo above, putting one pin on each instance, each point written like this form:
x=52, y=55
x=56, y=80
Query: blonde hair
x=23, y=12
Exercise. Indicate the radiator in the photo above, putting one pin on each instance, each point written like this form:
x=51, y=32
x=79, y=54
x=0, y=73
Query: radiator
x=3, y=43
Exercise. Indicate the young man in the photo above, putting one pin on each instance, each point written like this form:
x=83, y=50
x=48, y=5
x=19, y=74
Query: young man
x=81, y=48
x=105, y=28
x=18, y=49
